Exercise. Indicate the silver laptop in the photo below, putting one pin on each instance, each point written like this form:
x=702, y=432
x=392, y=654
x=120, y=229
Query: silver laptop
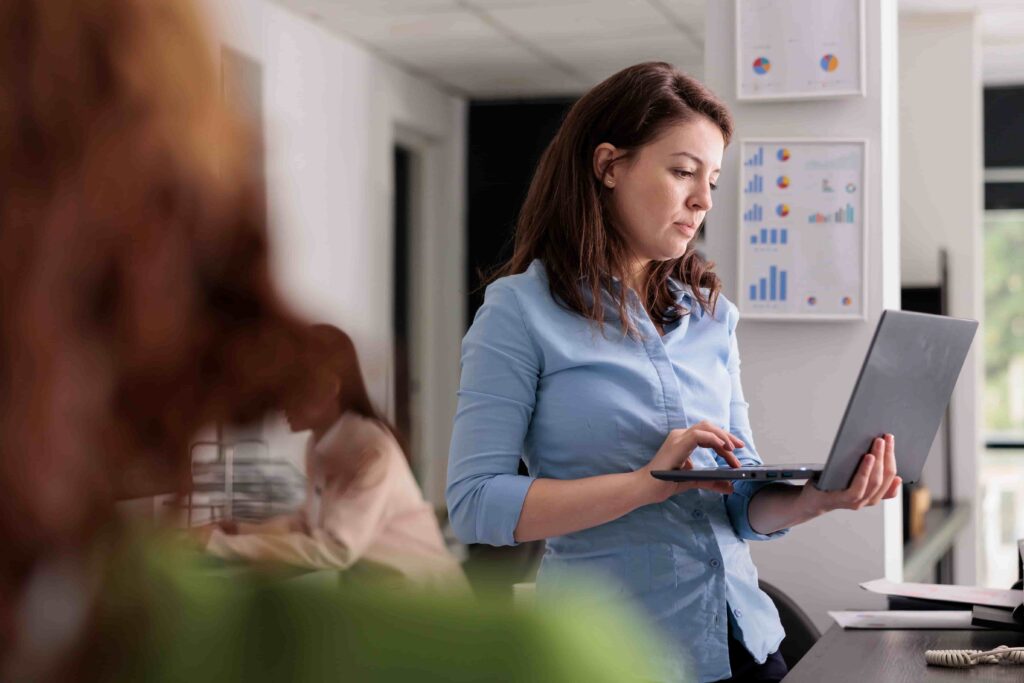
x=903, y=389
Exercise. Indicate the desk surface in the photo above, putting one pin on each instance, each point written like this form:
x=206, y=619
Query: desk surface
x=866, y=656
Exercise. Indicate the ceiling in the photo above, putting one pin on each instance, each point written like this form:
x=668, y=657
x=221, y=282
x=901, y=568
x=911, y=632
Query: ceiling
x=508, y=48
x=1001, y=28
x=518, y=48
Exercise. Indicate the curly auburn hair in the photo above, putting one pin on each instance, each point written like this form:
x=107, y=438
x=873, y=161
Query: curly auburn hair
x=136, y=304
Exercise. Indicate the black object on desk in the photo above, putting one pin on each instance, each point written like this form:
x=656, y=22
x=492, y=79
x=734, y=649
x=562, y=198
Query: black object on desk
x=999, y=618
x=863, y=656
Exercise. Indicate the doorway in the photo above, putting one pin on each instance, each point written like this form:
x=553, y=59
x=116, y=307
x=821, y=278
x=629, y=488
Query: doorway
x=401, y=273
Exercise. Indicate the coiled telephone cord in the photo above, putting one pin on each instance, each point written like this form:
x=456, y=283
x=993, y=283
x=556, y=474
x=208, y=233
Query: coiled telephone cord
x=965, y=658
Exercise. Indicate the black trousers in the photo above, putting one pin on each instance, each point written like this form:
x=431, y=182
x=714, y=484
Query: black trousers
x=745, y=668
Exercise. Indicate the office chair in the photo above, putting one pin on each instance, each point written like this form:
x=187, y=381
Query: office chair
x=494, y=571
x=801, y=633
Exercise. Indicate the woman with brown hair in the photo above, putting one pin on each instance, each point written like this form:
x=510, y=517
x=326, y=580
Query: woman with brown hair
x=362, y=501
x=605, y=350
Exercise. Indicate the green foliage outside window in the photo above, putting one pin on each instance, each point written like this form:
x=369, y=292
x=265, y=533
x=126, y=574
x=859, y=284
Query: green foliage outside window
x=1004, y=322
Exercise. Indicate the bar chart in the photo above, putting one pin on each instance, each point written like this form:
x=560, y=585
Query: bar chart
x=771, y=288
x=843, y=215
x=756, y=185
x=770, y=236
x=756, y=159
x=755, y=213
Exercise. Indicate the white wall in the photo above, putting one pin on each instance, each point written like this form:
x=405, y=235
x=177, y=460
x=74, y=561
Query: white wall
x=332, y=114
x=798, y=376
x=941, y=183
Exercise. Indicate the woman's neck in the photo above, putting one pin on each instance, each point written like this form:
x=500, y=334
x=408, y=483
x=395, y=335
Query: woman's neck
x=636, y=275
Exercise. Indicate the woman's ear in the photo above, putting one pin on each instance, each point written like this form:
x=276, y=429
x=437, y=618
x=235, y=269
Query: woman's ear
x=335, y=386
x=604, y=169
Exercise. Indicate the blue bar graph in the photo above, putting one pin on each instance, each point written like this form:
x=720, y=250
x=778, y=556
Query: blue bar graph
x=756, y=213
x=757, y=159
x=843, y=215
x=755, y=185
x=770, y=236
x=771, y=288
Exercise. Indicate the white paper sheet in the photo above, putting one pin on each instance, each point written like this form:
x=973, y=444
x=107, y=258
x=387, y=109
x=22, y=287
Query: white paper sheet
x=799, y=48
x=801, y=251
x=904, y=619
x=968, y=595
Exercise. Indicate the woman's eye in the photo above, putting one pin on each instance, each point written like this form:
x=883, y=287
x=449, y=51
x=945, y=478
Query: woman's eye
x=683, y=173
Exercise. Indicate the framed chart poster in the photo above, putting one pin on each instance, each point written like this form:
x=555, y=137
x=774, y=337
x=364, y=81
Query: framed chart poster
x=802, y=237
x=799, y=49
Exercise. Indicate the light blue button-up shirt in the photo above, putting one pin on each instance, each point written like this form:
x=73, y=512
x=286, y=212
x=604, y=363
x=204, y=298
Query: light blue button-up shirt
x=544, y=384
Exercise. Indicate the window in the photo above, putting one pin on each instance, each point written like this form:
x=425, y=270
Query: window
x=1002, y=472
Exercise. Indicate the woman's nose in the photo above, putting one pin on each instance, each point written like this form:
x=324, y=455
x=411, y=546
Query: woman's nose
x=700, y=200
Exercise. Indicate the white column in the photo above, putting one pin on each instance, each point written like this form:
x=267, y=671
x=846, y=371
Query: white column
x=941, y=186
x=798, y=376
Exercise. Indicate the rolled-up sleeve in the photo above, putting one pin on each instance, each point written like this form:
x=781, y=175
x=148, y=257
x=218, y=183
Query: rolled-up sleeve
x=737, y=503
x=497, y=394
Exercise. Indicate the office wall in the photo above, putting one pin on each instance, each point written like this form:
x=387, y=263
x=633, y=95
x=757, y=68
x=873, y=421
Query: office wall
x=941, y=186
x=798, y=376
x=332, y=113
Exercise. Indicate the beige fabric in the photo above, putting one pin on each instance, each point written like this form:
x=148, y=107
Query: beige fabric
x=377, y=515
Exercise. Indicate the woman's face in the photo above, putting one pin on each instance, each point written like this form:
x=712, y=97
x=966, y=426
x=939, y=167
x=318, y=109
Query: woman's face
x=661, y=193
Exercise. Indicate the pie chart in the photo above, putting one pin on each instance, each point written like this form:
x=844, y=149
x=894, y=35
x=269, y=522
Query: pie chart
x=783, y=154
x=782, y=182
x=782, y=209
x=762, y=66
x=829, y=63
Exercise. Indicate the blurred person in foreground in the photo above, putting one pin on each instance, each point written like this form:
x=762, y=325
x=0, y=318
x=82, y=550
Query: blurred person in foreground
x=136, y=307
x=362, y=500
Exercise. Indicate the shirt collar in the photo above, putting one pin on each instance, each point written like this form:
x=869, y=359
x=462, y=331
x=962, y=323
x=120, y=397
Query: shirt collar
x=681, y=294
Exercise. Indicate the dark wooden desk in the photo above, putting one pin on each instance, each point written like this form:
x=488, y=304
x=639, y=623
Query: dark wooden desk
x=864, y=656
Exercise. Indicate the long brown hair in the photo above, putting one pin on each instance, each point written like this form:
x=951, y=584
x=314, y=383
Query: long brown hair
x=565, y=221
x=334, y=351
x=136, y=304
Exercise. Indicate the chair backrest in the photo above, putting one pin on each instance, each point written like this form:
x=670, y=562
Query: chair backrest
x=801, y=633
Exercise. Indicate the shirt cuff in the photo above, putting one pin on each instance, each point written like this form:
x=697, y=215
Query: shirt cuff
x=737, y=504
x=499, y=516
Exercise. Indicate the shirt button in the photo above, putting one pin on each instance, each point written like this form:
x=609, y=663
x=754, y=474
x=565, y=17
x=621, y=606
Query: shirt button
x=714, y=563
x=697, y=514
x=738, y=612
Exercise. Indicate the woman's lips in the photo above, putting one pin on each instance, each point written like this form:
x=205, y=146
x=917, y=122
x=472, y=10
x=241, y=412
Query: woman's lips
x=686, y=228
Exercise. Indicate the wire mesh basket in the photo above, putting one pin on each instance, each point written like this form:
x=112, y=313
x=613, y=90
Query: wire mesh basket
x=238, y=479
